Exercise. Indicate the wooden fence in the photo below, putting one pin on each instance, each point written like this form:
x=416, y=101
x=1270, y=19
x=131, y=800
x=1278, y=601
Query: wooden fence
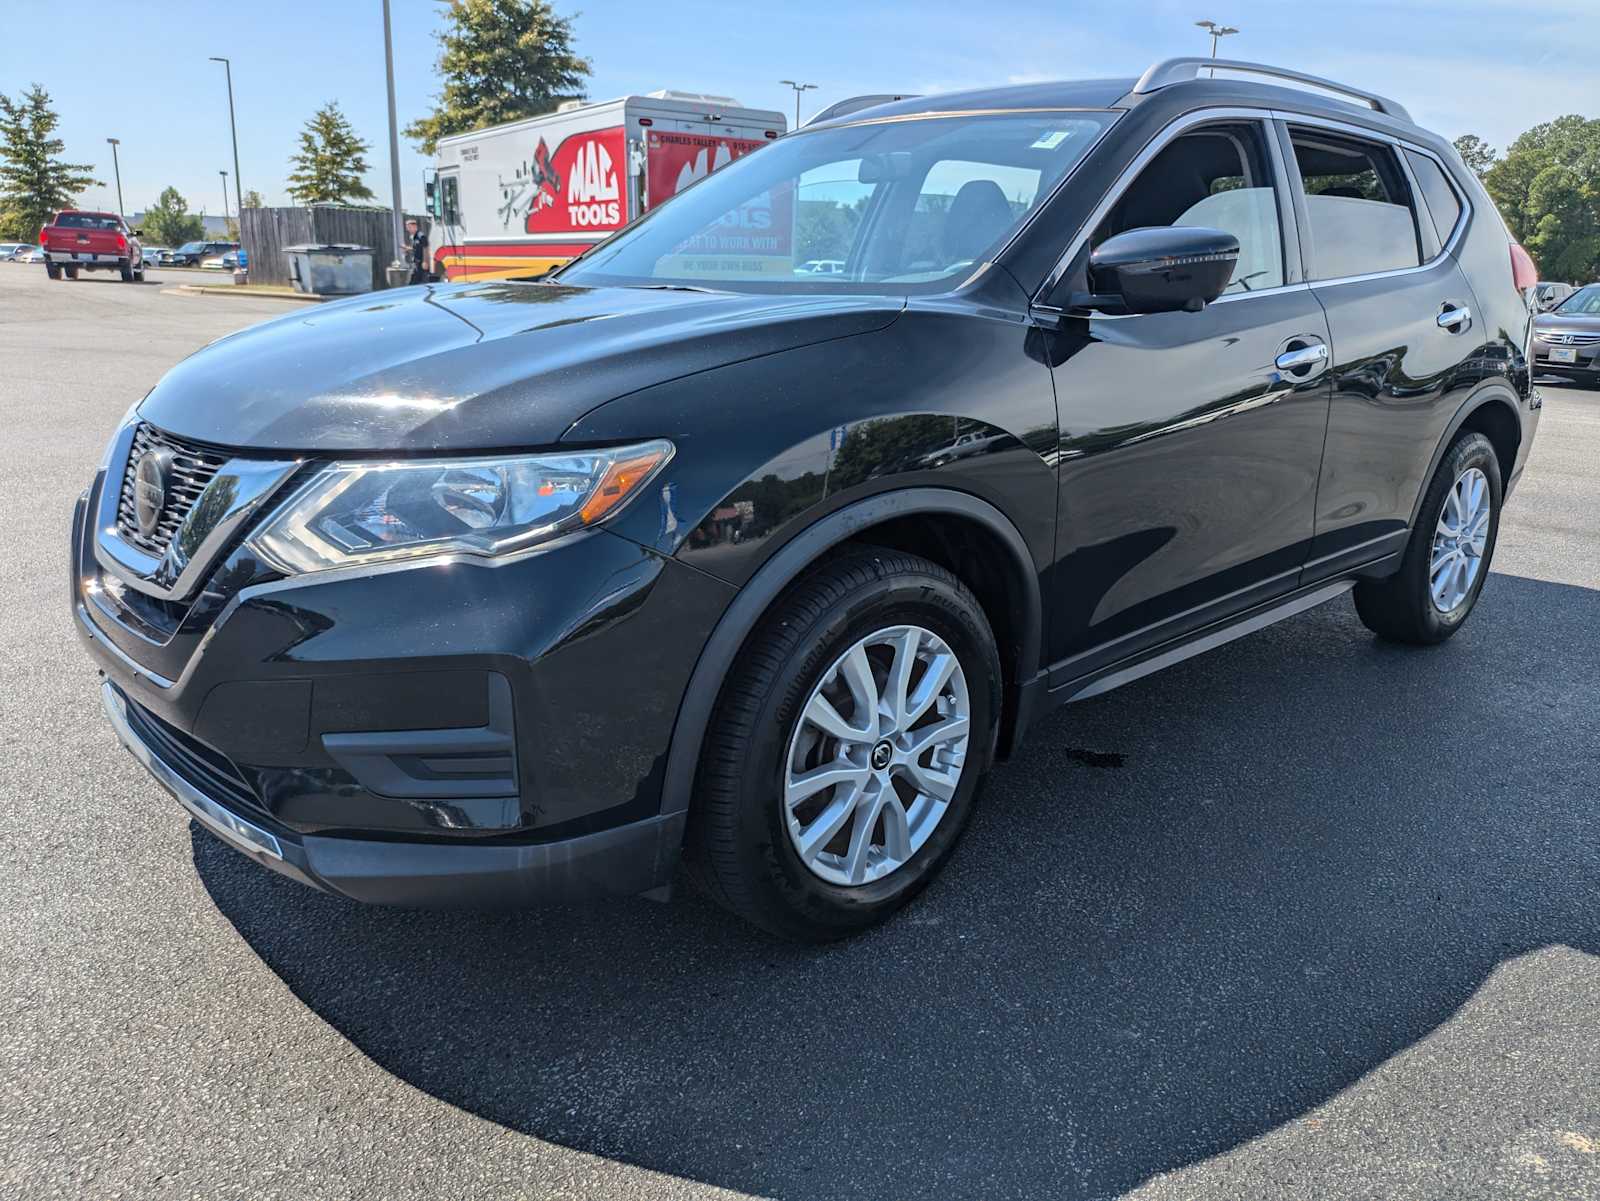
x=264, y=232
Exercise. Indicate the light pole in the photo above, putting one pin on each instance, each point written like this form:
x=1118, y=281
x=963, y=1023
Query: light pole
x=117, y=167
x=224, y=175
x=238, y=181
x=798, y=88
x=1217, y=32
x=397, y=272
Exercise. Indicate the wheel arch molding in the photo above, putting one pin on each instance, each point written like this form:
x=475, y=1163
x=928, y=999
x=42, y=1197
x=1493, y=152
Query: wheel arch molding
x=853, y=523
x=1491, y=410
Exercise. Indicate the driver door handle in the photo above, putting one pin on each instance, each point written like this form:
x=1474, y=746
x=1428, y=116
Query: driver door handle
x=1455, y=319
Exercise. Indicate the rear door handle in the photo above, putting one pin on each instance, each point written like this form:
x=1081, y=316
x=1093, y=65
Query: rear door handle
x=1455, y=319
x=1306, y=356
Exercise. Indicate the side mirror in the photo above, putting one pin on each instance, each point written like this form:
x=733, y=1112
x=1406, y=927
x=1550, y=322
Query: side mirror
x=430, y=197
x=138, y=233
x=1160, y=269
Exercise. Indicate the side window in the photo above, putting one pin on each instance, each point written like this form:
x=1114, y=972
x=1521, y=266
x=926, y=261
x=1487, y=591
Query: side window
x=1444, y=206
x=1218, y=177
x=1358, y=206
x=452, y=192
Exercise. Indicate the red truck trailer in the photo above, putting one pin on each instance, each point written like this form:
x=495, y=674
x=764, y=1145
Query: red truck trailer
x=525, y=197
x=79, y=240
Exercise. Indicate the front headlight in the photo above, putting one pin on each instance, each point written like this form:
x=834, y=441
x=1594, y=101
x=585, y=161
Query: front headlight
x=356, y=513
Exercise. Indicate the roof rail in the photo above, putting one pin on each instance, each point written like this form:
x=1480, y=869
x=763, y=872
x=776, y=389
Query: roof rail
x=855, y=104
x=1177, y=70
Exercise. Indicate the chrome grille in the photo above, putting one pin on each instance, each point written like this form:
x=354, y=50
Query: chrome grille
x=1558, y=338
x=192, y=469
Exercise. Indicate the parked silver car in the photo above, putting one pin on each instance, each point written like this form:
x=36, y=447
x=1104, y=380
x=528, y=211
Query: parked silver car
x=1566, y=340
x=1545, y=296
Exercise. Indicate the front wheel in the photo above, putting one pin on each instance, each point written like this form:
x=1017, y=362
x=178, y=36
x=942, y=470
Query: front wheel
x=1446, y=561
x=845, y=753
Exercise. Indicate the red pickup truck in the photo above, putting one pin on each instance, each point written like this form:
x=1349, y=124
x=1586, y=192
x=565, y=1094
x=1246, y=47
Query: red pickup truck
x=88, y=241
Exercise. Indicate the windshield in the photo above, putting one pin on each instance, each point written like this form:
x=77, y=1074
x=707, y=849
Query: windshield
x=898, y=206
x=1585, y=302
x=191, y=247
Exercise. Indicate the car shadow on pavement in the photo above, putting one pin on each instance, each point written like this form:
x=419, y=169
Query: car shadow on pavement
x=1312, y=850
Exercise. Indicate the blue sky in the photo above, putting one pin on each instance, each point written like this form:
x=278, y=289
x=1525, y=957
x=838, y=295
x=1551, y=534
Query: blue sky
x=1486, y=66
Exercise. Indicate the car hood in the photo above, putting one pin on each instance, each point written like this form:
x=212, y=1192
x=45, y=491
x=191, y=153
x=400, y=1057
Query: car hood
x=474, y=366
x=1560, y=323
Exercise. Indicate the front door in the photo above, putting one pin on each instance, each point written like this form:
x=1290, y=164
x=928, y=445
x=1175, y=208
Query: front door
x=1190, y=443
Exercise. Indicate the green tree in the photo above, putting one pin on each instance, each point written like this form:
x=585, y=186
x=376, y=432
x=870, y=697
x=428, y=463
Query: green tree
x=252, y=200
x=1570, y=141
x=331, y=161
x=168, y=222
x=501, y=60
x=1563, y=224
x=1476, y=153
x=34, y=182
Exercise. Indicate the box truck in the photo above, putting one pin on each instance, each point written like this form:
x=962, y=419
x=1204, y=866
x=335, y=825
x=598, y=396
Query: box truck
x=522, y=198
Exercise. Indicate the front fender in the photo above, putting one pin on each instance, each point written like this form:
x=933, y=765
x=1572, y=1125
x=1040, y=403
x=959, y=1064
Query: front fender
x=944, y=398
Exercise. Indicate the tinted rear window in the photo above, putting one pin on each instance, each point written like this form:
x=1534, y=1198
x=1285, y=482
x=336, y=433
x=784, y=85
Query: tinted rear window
x=1358, y=205
x=86, y=221
x=1444, y=206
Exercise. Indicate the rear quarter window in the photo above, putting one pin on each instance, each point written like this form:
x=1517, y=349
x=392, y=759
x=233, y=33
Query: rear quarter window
x=1444, y=206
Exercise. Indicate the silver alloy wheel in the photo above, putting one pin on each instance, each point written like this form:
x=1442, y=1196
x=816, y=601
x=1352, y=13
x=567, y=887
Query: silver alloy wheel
x=876, y=755
x=1459, y=541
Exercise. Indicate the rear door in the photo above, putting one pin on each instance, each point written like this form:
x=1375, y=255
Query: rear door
x=1189, y=442
x=1404, y=331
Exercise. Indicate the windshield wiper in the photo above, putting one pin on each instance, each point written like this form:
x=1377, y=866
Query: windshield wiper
x=672, y=288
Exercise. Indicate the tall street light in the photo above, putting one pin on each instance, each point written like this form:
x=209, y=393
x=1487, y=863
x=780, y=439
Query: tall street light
x=224, y=175
x=397, y=272
x=798, y=89
x=117, y=167
x=238, y=180
x=1217, y=32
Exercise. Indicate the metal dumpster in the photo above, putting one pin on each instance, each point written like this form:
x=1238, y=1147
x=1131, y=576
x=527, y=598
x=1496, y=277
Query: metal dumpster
x=330, y=269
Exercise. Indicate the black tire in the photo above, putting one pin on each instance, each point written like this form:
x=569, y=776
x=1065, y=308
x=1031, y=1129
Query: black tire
x=72, y=272
x=126, y=268
x=52, y=270
x=1401, y=607
x=738, y=844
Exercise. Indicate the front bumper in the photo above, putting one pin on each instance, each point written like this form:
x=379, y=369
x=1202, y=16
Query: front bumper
x=1585, y=360
x=448, y=733
x=634, y=858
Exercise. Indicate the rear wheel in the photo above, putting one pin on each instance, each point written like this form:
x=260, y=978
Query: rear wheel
x=53, y=271
x=845, y=753
x=1446, y=561
x=125, y=266
x=72, y=272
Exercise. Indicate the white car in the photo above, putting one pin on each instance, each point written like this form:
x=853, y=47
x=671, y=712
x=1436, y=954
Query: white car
x=10, y=250
x=32, y=254
x=152, y=255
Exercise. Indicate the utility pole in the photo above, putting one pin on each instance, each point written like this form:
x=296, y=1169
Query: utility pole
x=798, y=89
x=224, y=175
x=115, y=166
x=1217, y=32
x=397, y=272
x=238, y=180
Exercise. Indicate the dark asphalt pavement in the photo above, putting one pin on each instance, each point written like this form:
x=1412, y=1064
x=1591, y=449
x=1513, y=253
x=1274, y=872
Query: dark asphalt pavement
x=1307, y=917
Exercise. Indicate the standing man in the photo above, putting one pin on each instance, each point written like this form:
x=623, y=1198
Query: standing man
x=419, y=251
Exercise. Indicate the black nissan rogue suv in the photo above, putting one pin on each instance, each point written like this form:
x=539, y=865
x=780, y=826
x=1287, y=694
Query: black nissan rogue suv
x=508, y=590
